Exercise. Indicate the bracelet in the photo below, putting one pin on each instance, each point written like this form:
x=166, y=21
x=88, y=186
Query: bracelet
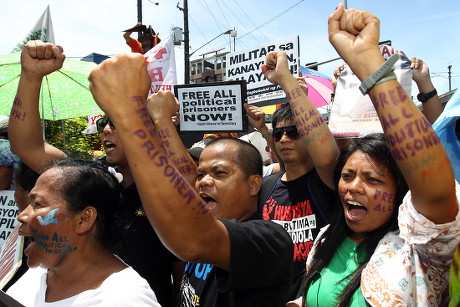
x=269, y=132
x=423, y=97
x=381, y=75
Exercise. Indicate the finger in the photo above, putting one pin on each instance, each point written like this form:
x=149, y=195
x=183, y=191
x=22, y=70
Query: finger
x=40, y=49
x=334, y=20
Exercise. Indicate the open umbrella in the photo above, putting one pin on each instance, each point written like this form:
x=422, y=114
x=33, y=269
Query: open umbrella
x=319, y=86
x=64, y=93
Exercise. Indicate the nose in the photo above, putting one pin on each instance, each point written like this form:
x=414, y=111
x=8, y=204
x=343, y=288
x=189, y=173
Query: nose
x=206, y=180
x=285, y=138
x=356, y=186
x=22, y=217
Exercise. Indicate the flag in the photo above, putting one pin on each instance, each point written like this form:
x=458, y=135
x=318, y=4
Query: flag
x=161, y=65
x=43, y=30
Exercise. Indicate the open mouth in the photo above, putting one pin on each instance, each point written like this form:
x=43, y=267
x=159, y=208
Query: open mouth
x=109, y=146
x=355, y=210
x=211, y=203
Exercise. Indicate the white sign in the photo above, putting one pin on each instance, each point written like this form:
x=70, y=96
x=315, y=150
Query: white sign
x=247, y=65
x=352, y=113
x=161, y=65
x=215, y=107
x=11, y=256
x=8, y=214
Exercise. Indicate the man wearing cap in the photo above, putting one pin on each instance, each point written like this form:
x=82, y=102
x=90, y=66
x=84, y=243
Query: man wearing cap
x=8, y=160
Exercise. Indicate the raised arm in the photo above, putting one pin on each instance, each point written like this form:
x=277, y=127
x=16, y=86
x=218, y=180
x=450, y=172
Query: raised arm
x=179, y=216
x=432, y=107
x=162, y=107
x=256, y=117
x=413, y=143
x=316, y=135
x=25, y=132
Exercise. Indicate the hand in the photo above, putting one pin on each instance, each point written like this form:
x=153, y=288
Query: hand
x=421, y=75
x=303, y=85
x=117, y=80
x=40, y=59
x=162, y=105
x=176, y=119
x=336, y=76
x=256, y=117
x=276, y=68
x=355, y=35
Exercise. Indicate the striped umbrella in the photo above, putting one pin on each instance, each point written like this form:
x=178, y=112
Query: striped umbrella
x=319, y=86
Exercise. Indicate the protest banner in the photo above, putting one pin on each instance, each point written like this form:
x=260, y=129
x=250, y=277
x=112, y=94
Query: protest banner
x=352, y=113
x=91, y=128
x=11, y=256
x=212, y=107
x=161, y=65
x=8, y=214
x=247, y=65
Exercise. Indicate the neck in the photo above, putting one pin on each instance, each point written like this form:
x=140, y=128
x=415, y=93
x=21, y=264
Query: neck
x=295, y=170
x=72, y=278
x=128, y=178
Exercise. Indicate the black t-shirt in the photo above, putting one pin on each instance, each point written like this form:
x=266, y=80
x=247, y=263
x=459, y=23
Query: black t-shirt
x=260, y=275
x=302, y=207
x=142, y=249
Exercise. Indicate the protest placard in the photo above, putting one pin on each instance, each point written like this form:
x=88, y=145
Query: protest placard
x=11, y=256
x=8, y=214
x=246, y=65
x=212, y=107
x=352, y=113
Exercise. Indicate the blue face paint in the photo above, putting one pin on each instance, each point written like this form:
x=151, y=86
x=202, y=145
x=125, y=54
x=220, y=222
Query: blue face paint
x=48, y=219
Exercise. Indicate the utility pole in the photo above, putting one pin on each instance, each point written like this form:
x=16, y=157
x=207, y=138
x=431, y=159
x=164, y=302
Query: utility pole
x=186, y=44
x=139, y=17
x=449, y=76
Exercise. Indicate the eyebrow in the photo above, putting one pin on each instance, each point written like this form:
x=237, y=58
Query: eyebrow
x=372, y=172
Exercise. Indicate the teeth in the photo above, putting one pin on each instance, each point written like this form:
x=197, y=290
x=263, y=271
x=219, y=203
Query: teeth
x=354, y=203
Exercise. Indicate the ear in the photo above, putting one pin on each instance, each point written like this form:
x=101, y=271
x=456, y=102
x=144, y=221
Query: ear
x=255, y=182
x=86, y=219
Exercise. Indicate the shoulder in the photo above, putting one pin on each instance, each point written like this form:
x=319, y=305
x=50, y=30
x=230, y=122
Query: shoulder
x=256, y=231
x=128, y=288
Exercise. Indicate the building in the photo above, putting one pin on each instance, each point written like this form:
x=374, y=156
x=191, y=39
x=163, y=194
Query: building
x=209, y=68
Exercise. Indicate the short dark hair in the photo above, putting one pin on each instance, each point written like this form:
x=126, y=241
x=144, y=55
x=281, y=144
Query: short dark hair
x=283, y=113
x=247, y=156
x=89, y=183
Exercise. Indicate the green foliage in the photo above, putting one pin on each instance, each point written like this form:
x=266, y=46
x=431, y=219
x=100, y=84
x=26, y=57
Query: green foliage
x=77, y=144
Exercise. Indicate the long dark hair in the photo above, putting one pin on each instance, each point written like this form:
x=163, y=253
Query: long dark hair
x=374, y=146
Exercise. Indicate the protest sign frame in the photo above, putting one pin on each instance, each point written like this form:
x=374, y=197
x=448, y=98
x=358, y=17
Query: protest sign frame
x=212, y=107
x=246, y=65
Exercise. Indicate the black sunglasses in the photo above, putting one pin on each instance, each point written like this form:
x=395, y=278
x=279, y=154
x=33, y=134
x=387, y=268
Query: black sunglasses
x=102, y=122
x=291, y=132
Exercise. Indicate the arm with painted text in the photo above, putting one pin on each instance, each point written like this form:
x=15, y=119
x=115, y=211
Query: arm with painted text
x=315, y=133
x=162, y=107
x=177, y=213
x=413, y=143
x=25, y=132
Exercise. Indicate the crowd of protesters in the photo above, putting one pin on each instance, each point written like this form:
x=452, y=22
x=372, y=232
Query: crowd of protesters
x=158, y=224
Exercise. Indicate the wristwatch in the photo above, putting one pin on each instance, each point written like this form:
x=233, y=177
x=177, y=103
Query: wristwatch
x=264, y=135
x=423, y=97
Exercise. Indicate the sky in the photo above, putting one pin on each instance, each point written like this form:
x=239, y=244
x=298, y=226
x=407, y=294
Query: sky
x=426, y=29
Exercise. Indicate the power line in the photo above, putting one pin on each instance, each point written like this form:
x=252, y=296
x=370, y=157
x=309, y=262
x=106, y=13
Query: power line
x=272, y=19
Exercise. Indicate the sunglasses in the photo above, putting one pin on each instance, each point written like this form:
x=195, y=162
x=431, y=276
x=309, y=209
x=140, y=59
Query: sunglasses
x=102, y=122
x=291, y=132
